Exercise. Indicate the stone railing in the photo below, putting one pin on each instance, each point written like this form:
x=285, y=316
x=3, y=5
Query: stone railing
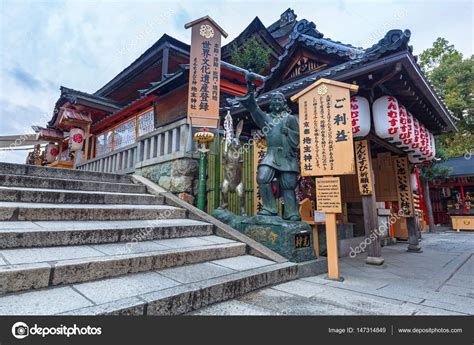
x=166, y=143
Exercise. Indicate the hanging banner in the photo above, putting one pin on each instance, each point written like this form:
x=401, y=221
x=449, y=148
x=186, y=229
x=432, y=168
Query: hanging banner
x=360, y=116
x=325, y=129
x=364, y=175
x=204, y=72
x=404, y=190
x=259, y=150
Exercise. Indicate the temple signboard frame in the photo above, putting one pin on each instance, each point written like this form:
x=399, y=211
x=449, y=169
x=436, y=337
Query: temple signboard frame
x=204, y=72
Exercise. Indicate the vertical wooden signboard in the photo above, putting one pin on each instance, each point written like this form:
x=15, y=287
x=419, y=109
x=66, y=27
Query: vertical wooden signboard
x=326, y=149
x=404, y=191
x=259, y=150
x=364, y=175
x=204, y=72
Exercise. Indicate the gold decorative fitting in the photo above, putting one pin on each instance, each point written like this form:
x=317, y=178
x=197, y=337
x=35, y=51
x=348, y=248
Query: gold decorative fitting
x=204, y=136
x=206, y=31
x=322, y=90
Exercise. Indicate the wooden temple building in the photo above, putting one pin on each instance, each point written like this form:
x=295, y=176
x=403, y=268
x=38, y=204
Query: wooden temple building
x=136, y=123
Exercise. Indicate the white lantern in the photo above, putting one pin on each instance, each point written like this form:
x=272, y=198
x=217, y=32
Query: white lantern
x=387, y=118
x=432, y=154
x=360, y=116
x=76, y=139
x=415, y=160
x=415, y=145
x=50, y=153
x=405, y=129
x=423, y=142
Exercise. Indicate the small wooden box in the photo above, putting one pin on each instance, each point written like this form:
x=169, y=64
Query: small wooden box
x=463, y=222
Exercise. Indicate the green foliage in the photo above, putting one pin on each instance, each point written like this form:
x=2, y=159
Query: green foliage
x=434, y=171
x=453, y=78
x=251, y=55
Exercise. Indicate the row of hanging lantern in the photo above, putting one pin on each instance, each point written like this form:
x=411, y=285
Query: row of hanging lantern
x=394, y=124
x=76, y=141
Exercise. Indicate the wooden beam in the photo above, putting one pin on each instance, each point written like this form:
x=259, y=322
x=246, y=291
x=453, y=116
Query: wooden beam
x=373, y=137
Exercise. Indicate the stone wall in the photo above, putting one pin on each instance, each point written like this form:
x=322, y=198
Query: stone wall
x=179, y=176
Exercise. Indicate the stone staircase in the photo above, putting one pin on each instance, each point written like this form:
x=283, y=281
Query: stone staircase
x=86, y=243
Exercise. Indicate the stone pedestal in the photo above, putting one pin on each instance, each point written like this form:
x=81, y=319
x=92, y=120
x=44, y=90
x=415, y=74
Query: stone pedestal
x=292, y=240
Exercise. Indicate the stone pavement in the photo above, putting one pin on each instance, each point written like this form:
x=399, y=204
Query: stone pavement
x=438, y=281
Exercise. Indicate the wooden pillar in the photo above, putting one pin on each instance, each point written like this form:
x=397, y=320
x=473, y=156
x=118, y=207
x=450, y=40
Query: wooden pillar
x=331, y=239
x=86, y=150
x=374, y=249
x=365, y=174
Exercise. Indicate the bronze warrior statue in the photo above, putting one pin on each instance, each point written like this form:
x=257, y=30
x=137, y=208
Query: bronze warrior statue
x=232, y=159
x=281, y=130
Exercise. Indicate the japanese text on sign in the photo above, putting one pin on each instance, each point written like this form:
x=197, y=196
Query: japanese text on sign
x=364, y=175
x=204, y=75
x=402, y=176
x=326, y=130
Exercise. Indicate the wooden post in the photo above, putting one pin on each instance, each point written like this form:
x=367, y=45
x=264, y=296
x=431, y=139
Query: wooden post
x=374, y=249
x=369, y=207
x=333, y=255
x=60, y=145
x=86, y=150
x=413, y=242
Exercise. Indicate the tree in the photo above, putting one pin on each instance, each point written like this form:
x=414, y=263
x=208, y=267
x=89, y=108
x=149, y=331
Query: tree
x=453, y=78
x=429, y=173
x=251, y=55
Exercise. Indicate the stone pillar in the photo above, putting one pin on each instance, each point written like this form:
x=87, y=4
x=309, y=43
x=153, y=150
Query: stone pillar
x=413, y=242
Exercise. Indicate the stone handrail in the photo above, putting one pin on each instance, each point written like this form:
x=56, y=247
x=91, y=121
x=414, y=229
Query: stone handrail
x=163, y=144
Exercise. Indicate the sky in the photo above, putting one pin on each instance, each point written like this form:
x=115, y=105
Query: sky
x=84, y=44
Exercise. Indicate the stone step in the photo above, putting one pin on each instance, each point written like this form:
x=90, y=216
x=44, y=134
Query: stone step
x=18, y=211
x=63, y=196
x=53, y=233
x=170, y=291
x=34, y=268
x=69, y=184
x=32, y=170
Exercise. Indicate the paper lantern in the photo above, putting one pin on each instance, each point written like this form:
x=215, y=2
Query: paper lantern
x=432, y=154
x=76, y=139
x=405, y=129
x=51, y=152
x=387, y=119
x=415, y=145
x=415, y=160
x=360, y=116
x=423, y=140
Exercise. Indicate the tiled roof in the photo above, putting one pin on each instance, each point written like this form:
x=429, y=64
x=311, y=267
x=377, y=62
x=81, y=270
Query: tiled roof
x=459, y=166
x=393, y=41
